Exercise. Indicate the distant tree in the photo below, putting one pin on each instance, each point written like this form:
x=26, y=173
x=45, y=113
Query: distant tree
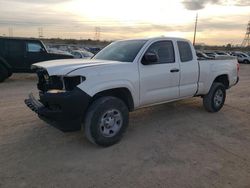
x=228, y=46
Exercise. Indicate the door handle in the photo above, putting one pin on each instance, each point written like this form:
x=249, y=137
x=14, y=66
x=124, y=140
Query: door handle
x=174, y=70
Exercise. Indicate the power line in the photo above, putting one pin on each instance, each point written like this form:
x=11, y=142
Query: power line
x=104, y=22
x=40, y=32
x=97, y=33
x=10, y=32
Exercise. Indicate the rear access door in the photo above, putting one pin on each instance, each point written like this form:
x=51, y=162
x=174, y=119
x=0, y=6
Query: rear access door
x=15, y=54
x=189, y=66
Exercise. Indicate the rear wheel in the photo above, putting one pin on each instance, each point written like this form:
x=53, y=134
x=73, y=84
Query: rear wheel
x=215, y=99
x=3, y=73
x=106, y=121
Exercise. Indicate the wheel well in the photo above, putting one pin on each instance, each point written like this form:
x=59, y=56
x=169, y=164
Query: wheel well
x=223, y=79
x=6, y=65
x=121, y=93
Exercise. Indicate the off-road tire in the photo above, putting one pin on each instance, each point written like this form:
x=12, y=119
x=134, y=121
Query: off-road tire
x=3, y=73
x=209, y=99
x=94, y=118
x=10, y=73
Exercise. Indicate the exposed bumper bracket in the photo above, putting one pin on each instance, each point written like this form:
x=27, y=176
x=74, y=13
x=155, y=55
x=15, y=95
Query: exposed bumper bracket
x=33, y=104
x=63, y=110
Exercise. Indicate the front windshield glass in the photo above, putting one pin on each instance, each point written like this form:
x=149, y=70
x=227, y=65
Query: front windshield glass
x=124, y=51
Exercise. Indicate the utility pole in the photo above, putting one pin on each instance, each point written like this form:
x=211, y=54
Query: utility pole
x=97, y=33
x=246, y=41
x=195, y=28
x=10, y=32
x=40, y=32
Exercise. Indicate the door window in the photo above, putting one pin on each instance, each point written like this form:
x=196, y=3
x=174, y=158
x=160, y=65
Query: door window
x=34, y=47
x=164, y=51
x=185, y=51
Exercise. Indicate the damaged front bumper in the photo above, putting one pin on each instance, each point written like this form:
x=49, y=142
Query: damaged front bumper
x=64, y=110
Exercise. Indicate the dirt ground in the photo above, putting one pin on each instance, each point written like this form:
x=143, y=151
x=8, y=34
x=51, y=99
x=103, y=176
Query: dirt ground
x=173, y=145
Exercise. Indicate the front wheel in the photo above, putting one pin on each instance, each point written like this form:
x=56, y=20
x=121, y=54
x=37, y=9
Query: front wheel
x=106, y=121
x=215, y=99
x=246, y=61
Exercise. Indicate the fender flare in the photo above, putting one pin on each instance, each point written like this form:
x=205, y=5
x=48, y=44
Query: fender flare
x=103, y=86
x=209, y=85
x=4, y=62
x=6, y=65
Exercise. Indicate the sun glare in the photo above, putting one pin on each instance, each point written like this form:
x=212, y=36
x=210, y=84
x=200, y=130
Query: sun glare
x=129, y=12
x=170, y=18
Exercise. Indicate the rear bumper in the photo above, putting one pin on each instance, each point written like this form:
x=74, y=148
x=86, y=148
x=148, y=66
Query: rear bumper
x=238, y=79
x=235, y=82
x=62, y=110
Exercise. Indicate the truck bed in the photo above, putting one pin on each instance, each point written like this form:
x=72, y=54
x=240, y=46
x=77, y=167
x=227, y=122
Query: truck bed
x=210, y=68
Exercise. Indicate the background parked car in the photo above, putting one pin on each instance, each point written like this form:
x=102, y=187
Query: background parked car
x=57, y=51
x=210, y=54
x=242, y=57
x=18, y=54
x=94, y=50
x=221, y=53
x=202, y=56
x=82, y=54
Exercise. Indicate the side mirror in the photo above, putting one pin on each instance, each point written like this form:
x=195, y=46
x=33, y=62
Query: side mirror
x=149, y=58
x=42, y=50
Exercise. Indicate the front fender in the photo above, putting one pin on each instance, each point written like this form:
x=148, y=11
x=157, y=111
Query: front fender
x=108, y=76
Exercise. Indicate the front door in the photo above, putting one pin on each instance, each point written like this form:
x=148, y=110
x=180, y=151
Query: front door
x=159, y=81
x=35, y=52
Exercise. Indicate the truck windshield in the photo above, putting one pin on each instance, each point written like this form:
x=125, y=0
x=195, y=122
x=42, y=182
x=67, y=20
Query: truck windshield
x=124, y=51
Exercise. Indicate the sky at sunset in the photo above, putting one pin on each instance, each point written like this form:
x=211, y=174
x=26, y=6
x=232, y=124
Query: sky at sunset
x=220, y=22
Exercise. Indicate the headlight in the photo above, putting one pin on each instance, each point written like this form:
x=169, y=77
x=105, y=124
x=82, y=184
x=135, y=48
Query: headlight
x=71, y=82
x=56, y=91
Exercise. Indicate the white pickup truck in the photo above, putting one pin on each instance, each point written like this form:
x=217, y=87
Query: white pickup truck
x=99, y=93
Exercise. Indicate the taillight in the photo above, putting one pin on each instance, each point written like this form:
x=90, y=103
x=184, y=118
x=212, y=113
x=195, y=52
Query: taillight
x=238, y=68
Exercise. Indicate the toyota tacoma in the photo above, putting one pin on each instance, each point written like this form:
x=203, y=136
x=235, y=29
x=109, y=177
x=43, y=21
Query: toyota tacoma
x=98, y=94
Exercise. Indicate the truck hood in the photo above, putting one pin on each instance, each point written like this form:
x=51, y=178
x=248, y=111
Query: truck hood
x=65, y=66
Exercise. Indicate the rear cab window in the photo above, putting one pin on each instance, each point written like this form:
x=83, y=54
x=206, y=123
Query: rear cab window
x=185, y=51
